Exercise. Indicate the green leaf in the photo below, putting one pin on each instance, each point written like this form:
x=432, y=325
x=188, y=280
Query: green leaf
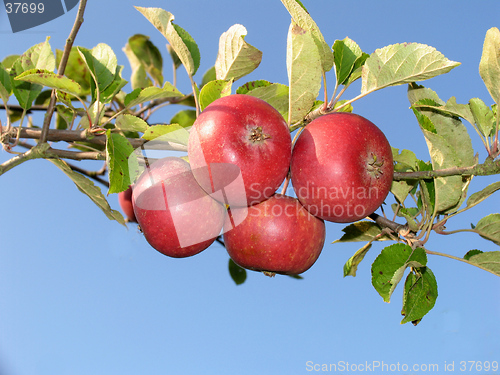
x=184, y=118
x=450, y=108
x=252, y=85
x=303, y=20
x=361, y=231
x=276, y=94
x=420, y=294
x=489, y=66
x=121, y=160
x=139, y=78
x=449, y=146
x=236, y=58
x=87, y=187
x=427, y=193
x=182, y=43
x=175, y=59
x=95, y=112
x=304, y=72
x=148, y=55
x=5, y=85
x=489, y=228
x=346, y=53
x=49, y=79
x=471, y=253
x=403, y=63
x=65, y=116
x=351, y=266
x=172, y=133
x=139, y=96
x=209, y=75
x=103, y=67
x=39, y=56
x=483, y=116
x=131, y=123
x=480, y=196
x=388, y=268
x=214, y=90
x=76, y=69
x=114, y=88
x=406, y=161
x=8, y=61
x=489, y=260
x=238, y=274
x=448, y=190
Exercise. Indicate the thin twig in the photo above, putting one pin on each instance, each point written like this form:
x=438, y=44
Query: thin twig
x=60, y=70
x=92, y=174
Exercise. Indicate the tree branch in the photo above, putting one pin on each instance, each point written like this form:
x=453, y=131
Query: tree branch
x=55, y=135
x=488, y=168
x=60, y=70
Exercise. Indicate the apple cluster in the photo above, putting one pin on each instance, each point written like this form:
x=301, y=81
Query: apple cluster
x=240, y=152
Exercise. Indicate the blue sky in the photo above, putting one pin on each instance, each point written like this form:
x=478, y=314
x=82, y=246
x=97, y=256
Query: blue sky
x=80, y=294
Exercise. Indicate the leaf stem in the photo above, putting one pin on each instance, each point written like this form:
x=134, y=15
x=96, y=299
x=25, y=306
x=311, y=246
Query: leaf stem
x=459, y=259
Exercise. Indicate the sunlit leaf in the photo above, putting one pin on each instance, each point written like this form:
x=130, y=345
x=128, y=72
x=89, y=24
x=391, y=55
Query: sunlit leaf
x=403, y=63
x=50, y=79
x=139, y=78
x=39, y=56
x=148, y=55
x=139, y=96
x=236, y=58
x=346, y=53
x=489, y=228
x=182, y=43
x=489, y=260
x=167, y=133
x=480, y=196
x=214, y=90
x=483, y=116
x=489, y=66
x=304, y=21
x=351, y=266
x=132, y=123
x=304, y=72
x=276, y=94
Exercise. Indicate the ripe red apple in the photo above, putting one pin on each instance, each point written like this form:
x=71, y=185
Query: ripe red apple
x=277, y=236
x=341, y=167
x=178, y=218
x=240, y=145
x=125, y=202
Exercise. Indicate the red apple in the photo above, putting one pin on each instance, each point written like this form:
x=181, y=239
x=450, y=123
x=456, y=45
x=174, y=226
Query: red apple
x=341, y=167
x=178, y=218
x=240, y=146
x=125, y=202
x=277, y=236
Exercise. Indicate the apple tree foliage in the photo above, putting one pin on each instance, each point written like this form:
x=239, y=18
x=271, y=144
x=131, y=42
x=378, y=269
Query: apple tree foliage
x=89, y=113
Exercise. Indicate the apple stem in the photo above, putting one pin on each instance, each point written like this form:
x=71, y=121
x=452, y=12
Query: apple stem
x=270, y=274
